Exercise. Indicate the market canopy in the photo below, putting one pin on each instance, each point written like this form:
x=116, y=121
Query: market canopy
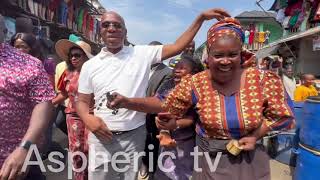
x=266, y=51
x=272, y=47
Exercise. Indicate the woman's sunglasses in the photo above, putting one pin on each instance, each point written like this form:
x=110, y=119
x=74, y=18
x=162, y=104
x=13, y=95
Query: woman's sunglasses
x=76, y=55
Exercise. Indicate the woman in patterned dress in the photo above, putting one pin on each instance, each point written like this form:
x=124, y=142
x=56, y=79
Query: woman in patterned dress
x=234, y=102
x=180, y=141
x=75, y=55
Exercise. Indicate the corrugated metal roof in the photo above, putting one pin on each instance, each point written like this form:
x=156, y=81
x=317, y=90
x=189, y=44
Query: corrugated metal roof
x=256, y=14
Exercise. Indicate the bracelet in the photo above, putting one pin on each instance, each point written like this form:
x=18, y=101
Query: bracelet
x=26, y=144
x=165, y=131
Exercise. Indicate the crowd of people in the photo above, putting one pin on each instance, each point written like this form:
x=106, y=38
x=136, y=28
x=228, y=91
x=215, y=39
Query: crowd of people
x=298, y=88
x=124, y=99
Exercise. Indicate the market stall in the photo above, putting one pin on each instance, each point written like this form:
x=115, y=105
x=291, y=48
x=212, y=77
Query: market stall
x=56, y=19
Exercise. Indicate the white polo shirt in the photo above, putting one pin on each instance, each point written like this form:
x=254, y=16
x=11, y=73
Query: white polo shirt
x=127, y=73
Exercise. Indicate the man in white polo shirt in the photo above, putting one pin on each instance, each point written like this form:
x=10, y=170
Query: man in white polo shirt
x=125, y=70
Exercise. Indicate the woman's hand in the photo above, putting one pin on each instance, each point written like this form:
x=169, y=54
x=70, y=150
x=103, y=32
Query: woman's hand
x=166, y=121
x=248, y=143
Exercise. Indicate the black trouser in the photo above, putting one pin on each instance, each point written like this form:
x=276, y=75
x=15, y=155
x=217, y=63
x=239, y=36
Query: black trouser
x=152, y=132
x=35, y=174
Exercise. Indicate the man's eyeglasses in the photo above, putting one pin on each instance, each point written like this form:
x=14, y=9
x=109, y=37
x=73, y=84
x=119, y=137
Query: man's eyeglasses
x=76, y=55
x=108, y=24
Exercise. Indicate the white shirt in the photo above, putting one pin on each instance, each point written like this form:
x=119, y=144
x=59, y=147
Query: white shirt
x=127, y=73
x=290, y=85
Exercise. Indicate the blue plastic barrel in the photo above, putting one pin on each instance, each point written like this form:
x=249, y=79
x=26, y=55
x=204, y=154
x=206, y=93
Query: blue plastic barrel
x=280, y=146
x=308, y=164
x=298, y=113
x=310, y=125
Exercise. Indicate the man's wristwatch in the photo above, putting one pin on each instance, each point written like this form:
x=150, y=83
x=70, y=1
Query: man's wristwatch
x=25, y=145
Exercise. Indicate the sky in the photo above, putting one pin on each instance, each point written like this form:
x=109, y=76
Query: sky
x=166, y=20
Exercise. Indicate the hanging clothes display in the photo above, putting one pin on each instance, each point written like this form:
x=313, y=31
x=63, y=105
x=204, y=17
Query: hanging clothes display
x=91, y=28
x=63, y=13
x=267, y=37
x=317, y=14
x=285, y=23
x=80, y=19
x=261, y=37
x=279, y=4
x=293, y=6
x=84, y=21
x=74, y=15
x=280, y=16
x=301, y=18
x=293, y=20
x=70, y=14
x=304, y=24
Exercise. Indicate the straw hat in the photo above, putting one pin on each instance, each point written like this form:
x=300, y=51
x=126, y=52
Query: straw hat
x=63, y=47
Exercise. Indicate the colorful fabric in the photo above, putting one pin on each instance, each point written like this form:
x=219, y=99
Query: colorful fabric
x=293, y=7
x=77, y=133
x=70, y=14
x=23, y=84
x=246, y=39
x=80, y=19
x=60, y=68
x=69, y=83
x=54, y=4
x=85, y=21
x=229, y=26
x=317, y=14
x=251, y=37
x=293, y=20
x=261, y=100
x=256, y=37
x=232, y=27
x=262, y=37
x=63, y=13
x=303, y=92
x=280, y=16
x=78, y=142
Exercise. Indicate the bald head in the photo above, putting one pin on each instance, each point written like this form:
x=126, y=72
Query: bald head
x=308, y=79
x=113, y=31
x=154, y=43
x=113, y=14
x=3, y=29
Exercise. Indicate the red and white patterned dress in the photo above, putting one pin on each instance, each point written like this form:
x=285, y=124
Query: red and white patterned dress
x=77, y=132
